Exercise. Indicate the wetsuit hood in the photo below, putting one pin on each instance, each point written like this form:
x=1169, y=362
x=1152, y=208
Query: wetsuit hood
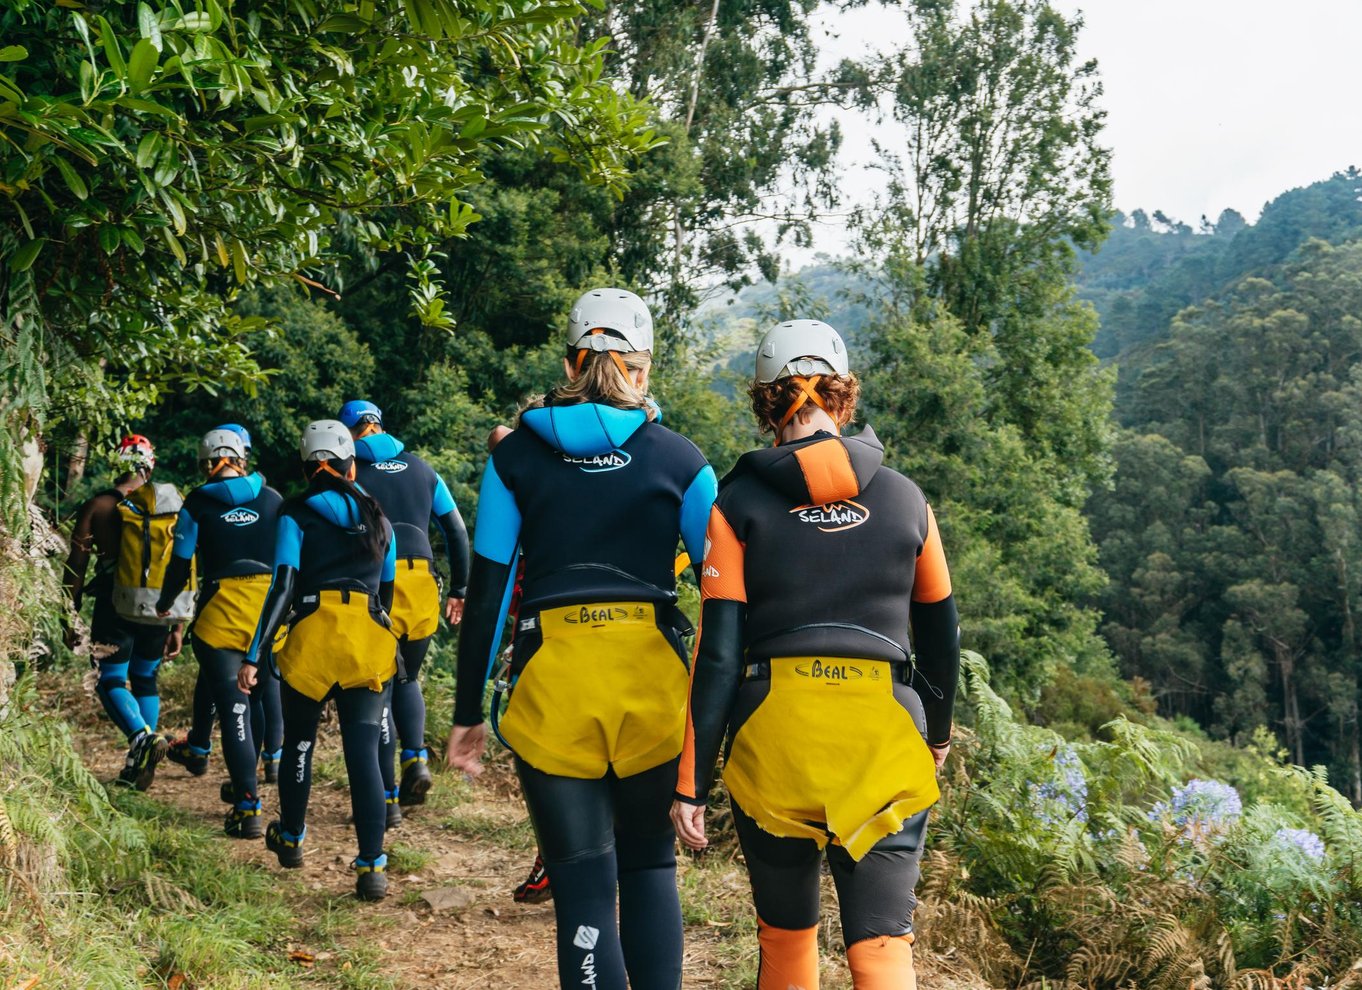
x=585, y=429
x=337, y=509
x=378, y=447
x=235, y=491
x=818, y=469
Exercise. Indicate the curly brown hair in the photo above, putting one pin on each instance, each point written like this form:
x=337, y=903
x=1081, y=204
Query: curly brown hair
x=770, y=400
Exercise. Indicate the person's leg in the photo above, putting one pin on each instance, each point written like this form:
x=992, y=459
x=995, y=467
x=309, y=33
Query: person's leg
x=784, y=878
x=574, y=821
x=301, y=715
x=220, y=668
x=409, y=713
x=269, y=739
x=148, y=643
x=203, y=713
x=387, y=752
x=119, y=704
x=877, y=897
x=360, y=712
x=645, y=849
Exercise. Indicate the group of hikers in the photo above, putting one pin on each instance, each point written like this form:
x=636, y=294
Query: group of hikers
x=824, y=667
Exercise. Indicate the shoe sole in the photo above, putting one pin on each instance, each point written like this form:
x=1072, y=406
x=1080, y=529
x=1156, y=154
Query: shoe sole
x=415, y=793
x=246, y=832
x=376, y=894
x=393, y=821
x=289, y=859
x=147, y=774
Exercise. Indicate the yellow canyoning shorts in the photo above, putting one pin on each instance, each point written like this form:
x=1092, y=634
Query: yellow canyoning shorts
x=831, y=752
x=416, y=600
x=342, y=642
x=228, y=619
x=604, y=688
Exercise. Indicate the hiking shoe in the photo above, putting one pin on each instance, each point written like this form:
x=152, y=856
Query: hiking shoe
x=371, y=878
x=285, y=845
x=243, y=821
x=416, y=778
x=536, y=888
x=394, y=808
x=192, y=758
x=269, y=763
x=139, y=769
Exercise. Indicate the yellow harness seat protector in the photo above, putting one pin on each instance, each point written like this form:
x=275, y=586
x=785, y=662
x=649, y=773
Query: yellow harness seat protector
x=605, y=689
x=830, y=751
x=227, y=620
x=340, y=643
x=416, y=600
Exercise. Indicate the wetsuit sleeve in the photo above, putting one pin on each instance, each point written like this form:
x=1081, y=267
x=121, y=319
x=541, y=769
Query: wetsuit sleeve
x=288, y=549
x=387, y=580
x=496, y=538
x=936, y=636
x=179, y=569
x=716, y=672
x=695, y=506
x=446, y=515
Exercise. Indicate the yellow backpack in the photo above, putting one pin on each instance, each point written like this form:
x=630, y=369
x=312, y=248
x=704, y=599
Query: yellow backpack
x=144, y=550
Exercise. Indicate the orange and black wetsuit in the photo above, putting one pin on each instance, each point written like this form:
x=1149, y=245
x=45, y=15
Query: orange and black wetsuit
x=819, y=562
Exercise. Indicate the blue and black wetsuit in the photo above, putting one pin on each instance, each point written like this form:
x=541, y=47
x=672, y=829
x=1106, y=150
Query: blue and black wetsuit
x=333, y=593
x=413, y=495
x=595, y=498
x=230, y=524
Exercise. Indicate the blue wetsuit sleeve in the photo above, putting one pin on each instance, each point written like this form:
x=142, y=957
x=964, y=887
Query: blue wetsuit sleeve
x=695, y=506
x=496, y=533
x=390, y=560
x=288, y=552
x=181, y=560
x=442, y=501
x=186, y=535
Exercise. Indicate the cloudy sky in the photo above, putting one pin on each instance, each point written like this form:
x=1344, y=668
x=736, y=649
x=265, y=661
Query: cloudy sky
x=1211, y=103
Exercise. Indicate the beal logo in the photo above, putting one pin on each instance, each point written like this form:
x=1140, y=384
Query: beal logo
x=238, y=709
x=612, y=461
x=834, y=517
x=820, y=671
x=596, y=616
x=241, y=517
x=391, y=467
x=586, y=937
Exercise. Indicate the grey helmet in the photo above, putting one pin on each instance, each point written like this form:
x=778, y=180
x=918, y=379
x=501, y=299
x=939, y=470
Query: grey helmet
x=221, y=443
x=623, y=315
x=801, y=347
x=326, y=440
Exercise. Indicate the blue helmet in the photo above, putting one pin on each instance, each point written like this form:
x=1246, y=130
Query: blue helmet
x=358, y=411
x=240, y=431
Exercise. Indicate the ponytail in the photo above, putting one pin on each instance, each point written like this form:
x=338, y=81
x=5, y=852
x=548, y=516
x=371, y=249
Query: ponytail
x=324, y=476
x=601, y=378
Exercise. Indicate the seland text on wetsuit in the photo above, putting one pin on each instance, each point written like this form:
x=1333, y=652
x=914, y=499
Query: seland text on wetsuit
x=595, y=497
x=820, y=561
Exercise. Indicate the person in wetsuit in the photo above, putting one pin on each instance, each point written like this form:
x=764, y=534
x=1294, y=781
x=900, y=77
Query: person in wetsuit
x=334, y=564
x=128, y=654
x=413, y=496
x=819, y=562
x=229, y=522
x=595, y=495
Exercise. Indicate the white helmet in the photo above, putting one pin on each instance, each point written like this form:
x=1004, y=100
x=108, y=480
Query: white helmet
x=221, y=443
x=801, y=347
x=622, y=315
x=326, y=440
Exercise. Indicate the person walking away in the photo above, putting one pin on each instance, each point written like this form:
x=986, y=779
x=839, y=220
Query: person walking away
x=819, y=562
x=595, y=494
x=413, y=496
x=334, y=565
x=127, y=652
x=229, y=524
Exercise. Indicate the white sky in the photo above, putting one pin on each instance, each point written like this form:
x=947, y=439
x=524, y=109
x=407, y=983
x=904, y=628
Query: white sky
x=1210, y=103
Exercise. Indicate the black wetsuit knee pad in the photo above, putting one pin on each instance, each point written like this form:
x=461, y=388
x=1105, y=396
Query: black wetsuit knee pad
x=878, y=894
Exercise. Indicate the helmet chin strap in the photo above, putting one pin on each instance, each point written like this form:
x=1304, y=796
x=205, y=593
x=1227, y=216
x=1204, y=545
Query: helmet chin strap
x=216, y=467
x=368, y=429
x=326, y=466
x=808, y=393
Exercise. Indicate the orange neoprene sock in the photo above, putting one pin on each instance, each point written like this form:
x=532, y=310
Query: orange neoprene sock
x=789, y=958
x=883, y=963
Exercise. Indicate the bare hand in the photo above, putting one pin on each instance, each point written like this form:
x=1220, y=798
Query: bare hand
x=174, y=643
x=939, y=754
x=689, y=822
x=162, y=613
x=453, y=611
x=246, y=677
x=467, y=743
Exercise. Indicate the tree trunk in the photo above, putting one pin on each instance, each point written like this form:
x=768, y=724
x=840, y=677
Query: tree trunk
x=1292, y=713
x=76, y=462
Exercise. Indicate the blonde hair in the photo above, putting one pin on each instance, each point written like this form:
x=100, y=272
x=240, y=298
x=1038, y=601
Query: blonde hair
x=600, y=380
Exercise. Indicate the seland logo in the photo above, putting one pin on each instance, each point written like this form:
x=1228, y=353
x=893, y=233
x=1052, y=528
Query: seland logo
x=241, y=517
x=831, y=672
x=391, y=467
x=596, y=615
x=612, y=461
x=833, y=517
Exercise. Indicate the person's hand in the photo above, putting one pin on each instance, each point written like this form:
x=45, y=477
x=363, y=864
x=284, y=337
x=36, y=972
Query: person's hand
x=453, y=611
x=689, y=821
x=162, y=613
x=939, y=754
x=246, y=677
x=466, y=745
x=174, y=643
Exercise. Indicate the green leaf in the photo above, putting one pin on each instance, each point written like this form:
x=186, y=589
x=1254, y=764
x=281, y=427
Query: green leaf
x=22, y=259
x=142, y=64
x=109, y=238
x=149, y=24
x=109, y=42
x=146, y=106
x=176, y=248
x=13, y=53
x=239, y=261
x=133, y=240
x=73, y=181
x=147, y=149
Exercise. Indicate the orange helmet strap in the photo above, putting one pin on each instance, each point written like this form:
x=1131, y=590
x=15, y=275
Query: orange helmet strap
x=808, y=388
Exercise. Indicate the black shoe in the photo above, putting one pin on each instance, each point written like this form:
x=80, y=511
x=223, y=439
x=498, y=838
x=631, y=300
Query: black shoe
x=394, y=808
x=182, y=753
x=285, y=845
x=139, y=770
x=243, y=821
x=416, y=778
x=371, y=880
x=536, y=888
x=227, y=793
x=269, y=763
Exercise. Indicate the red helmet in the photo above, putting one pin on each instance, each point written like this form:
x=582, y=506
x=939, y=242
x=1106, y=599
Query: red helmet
x=135, y=453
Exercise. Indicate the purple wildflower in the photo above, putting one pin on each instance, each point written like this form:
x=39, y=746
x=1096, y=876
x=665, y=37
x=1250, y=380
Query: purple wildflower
x=1300, y=839
x=1200, y=806
x=1065, y=796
